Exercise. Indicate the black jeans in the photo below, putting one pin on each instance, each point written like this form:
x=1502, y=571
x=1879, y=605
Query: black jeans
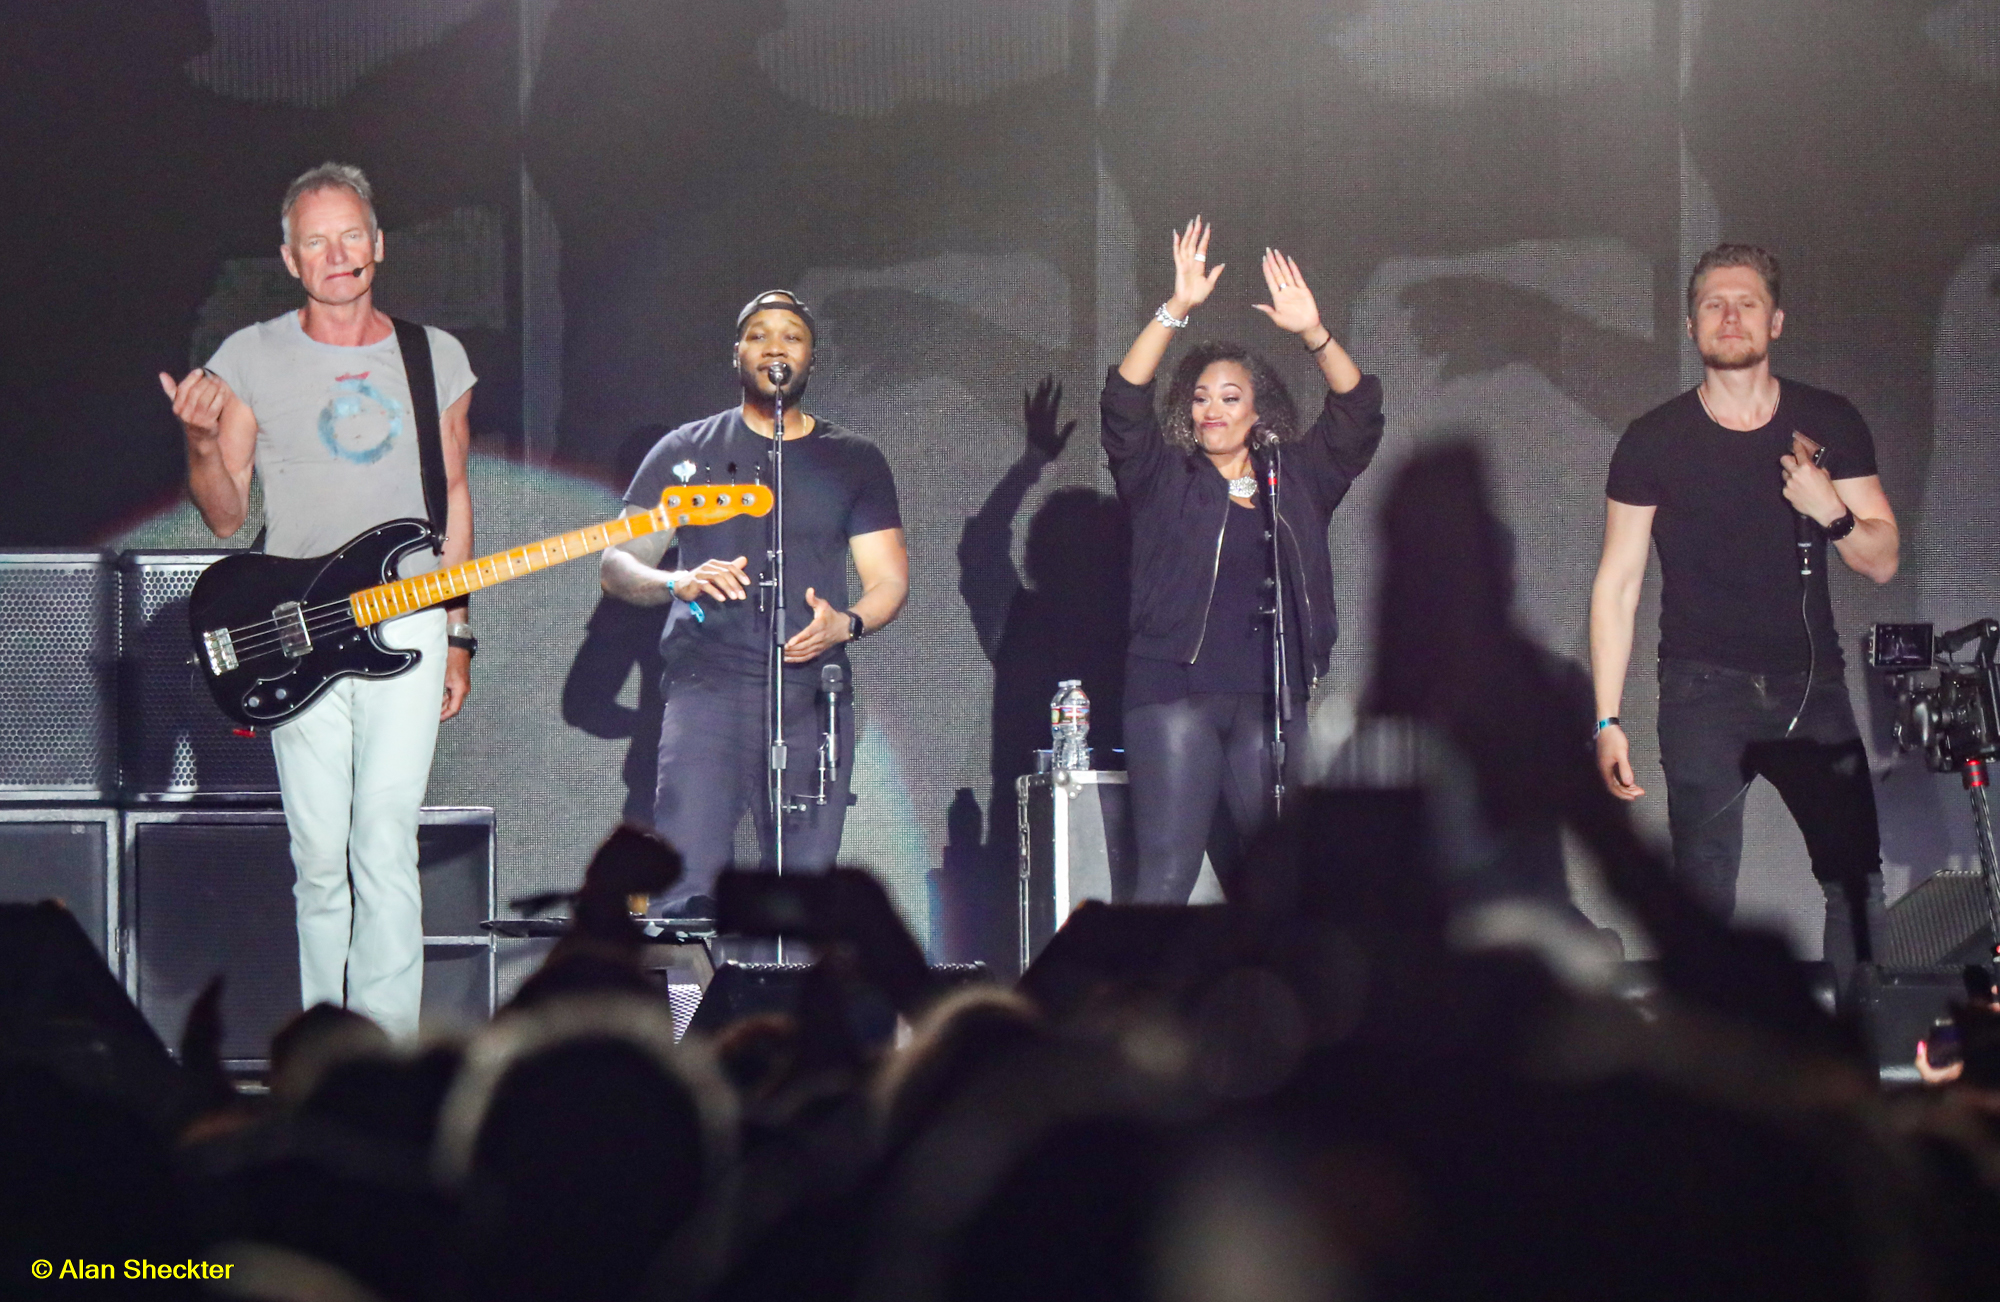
x=1181, y=758
x=714, y=763
x=1720, y=729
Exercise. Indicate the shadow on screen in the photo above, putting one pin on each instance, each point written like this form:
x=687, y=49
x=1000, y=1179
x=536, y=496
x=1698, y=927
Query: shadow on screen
x=1065, y=618
x=620, y=638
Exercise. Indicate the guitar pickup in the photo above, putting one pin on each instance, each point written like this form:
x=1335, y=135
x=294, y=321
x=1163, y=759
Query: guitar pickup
x=221, y=651
x=293, y=639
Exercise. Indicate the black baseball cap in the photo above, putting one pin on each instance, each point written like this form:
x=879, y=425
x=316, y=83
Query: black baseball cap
x=782, y=300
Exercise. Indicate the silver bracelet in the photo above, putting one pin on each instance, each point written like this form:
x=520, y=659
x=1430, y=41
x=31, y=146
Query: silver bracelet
x=1168, y=319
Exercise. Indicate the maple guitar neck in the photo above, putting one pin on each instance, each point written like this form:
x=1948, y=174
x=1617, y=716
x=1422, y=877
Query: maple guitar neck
x=700, y=504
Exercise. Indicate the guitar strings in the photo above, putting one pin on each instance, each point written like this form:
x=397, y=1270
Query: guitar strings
x=251, y=631
x=255, y=634
x=256, y=640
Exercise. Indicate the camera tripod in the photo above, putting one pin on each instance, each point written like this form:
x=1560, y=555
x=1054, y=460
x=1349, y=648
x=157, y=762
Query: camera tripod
x=1973, y=772
x=1955, y=722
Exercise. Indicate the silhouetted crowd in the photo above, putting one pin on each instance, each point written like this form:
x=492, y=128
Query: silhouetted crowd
x=1392, y=1067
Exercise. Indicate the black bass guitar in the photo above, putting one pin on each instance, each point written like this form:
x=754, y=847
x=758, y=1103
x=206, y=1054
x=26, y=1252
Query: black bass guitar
x=271, y=634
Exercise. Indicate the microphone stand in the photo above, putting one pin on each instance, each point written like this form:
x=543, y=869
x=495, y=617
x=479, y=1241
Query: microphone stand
x=1282, y=703
x=775, y=666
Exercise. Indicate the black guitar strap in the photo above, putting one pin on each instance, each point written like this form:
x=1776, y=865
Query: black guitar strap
x=416, y=346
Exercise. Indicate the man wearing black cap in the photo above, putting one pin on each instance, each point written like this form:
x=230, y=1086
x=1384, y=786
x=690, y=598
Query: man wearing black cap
x=839, y=498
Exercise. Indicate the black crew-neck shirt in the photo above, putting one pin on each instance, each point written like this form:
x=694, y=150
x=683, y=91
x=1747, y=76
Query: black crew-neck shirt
x=1235, y=650
x=1731, y=591
x=837, y=486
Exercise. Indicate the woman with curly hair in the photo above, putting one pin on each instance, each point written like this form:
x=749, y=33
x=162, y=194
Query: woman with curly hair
x=1199, y=687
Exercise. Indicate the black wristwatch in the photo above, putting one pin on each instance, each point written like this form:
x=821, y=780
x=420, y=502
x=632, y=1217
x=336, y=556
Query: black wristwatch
x=855, y=627
x=1842, y=527
x=460, y=636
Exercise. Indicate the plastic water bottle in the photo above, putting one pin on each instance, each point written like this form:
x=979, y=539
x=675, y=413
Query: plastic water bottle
x=1069, y=723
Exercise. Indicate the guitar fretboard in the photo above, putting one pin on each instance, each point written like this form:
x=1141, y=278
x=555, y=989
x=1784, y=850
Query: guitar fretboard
x=373, y=605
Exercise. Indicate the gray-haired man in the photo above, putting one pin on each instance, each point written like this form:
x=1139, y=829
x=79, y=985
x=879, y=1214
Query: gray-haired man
x=317, y=403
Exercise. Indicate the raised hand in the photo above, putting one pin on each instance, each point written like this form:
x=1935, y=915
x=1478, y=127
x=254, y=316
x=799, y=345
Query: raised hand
x=829, y=628
x=1292, y=306
x=198, y=401
x=1194, y=279
x=1040, y=410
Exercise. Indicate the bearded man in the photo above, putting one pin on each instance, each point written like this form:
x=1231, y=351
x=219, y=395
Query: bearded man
x=1742, y=482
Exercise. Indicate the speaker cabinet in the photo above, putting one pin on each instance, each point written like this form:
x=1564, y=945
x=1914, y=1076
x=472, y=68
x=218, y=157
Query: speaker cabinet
x=210, y=891
x=174, y=744
x=69, y=855
x=1075, y=845
x=58, y=666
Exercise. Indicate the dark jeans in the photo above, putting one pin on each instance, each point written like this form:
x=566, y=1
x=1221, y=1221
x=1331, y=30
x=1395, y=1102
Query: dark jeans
x=714, y=763
x=1720, y=729
x=1181, y=758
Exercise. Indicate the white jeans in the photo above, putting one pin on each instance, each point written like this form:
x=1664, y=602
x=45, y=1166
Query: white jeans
x=353, y=770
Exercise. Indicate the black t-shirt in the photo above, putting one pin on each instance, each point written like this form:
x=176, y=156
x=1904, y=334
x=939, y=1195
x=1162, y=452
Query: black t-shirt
x=837, y=486
x=1730, y=591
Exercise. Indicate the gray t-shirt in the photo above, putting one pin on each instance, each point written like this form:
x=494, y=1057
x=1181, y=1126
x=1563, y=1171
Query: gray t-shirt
x=336, y=440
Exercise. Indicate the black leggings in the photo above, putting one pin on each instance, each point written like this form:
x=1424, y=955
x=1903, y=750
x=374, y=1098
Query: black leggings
x=1180, y=758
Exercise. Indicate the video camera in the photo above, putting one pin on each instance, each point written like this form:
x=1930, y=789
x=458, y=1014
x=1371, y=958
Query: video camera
x=1955, y=718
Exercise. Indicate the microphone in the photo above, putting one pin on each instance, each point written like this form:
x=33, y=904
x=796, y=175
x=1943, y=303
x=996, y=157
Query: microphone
x=780, y=372
x=1802, y=524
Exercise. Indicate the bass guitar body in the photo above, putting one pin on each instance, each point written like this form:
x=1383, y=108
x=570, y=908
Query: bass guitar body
x=271, y=634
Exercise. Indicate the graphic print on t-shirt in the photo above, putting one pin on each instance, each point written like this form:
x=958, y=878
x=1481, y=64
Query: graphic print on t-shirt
x=360, y=423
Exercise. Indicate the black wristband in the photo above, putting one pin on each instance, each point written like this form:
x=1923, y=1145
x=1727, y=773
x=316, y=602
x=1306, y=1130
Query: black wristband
x=1842, y=527
x=470, y=645
x=856, y=627
x=1320, y=347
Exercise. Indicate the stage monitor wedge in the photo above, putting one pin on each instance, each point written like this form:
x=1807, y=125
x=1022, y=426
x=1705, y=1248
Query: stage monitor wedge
x=1941, y=921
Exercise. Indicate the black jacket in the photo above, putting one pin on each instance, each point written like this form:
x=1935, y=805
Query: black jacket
x=1177, y=504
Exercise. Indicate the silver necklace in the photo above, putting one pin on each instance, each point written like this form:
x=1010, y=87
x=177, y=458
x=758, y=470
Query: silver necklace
x=1710, y=411
x=1243, y=486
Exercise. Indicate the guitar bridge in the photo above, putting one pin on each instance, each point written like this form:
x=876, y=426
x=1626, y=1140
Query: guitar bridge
x=293, y=639
x=221, y=651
